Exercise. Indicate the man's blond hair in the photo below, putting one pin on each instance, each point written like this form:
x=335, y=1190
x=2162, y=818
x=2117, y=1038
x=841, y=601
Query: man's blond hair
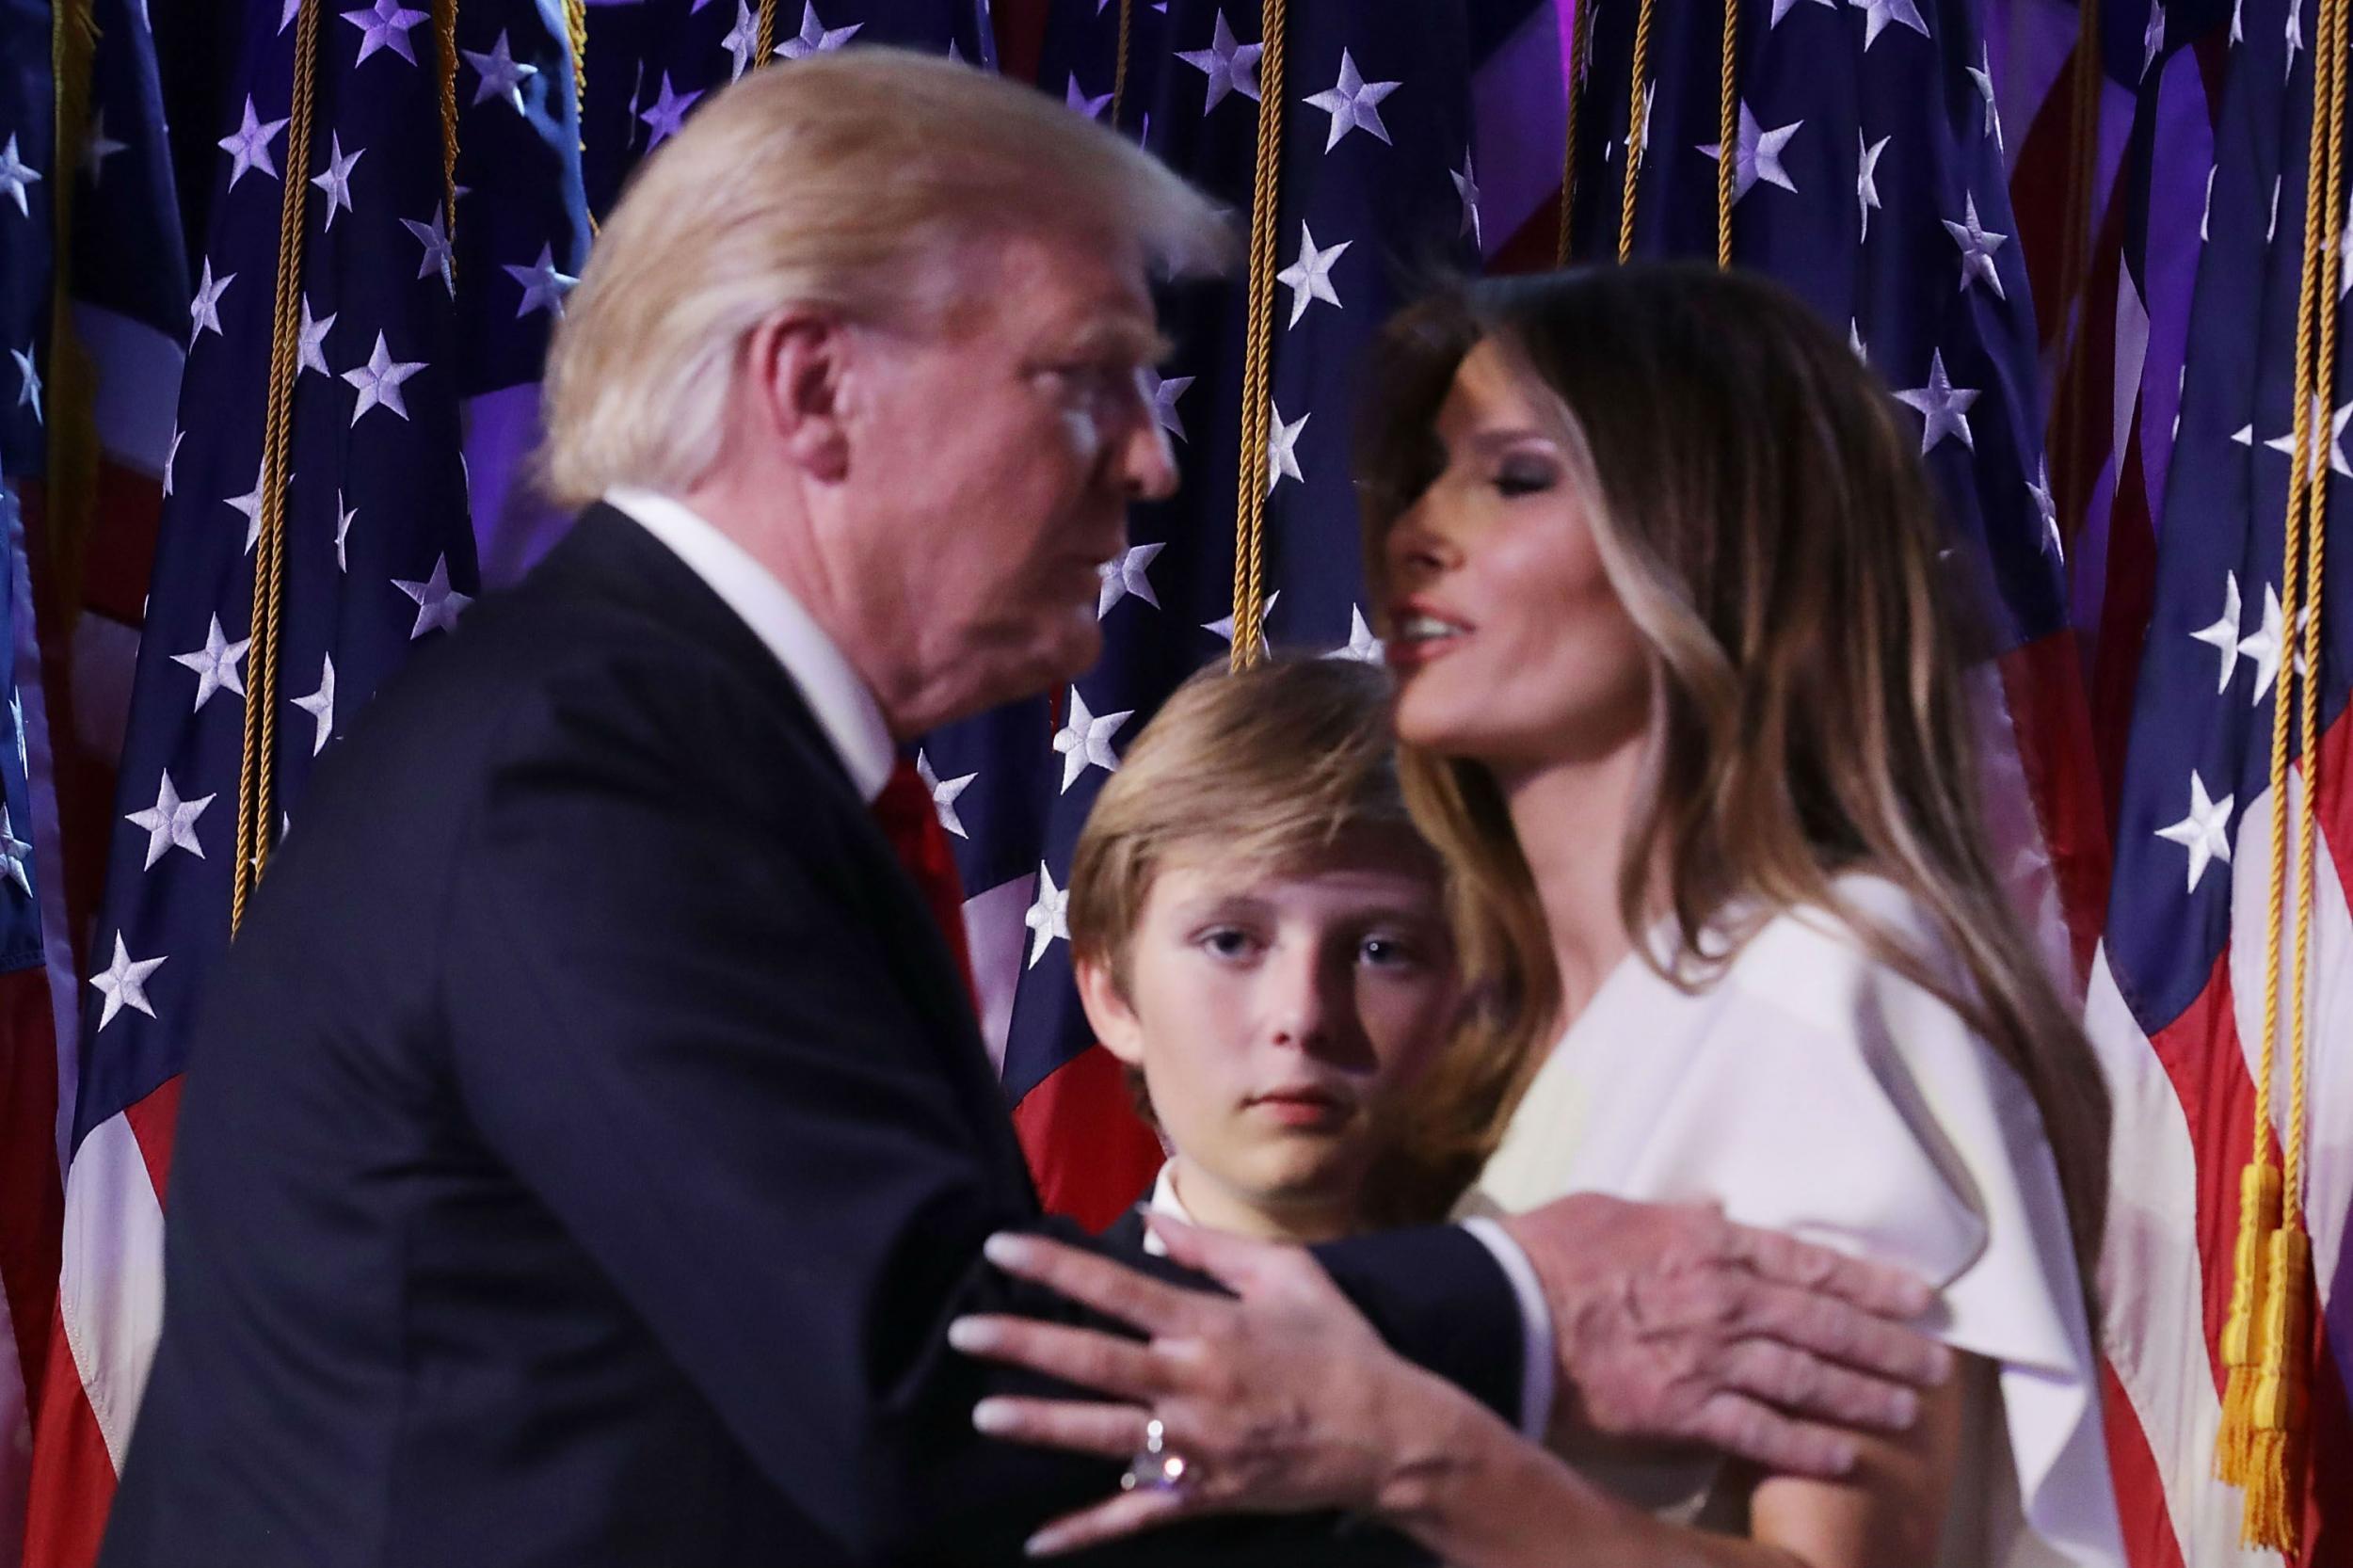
x=843, y=182
x=1276, y=765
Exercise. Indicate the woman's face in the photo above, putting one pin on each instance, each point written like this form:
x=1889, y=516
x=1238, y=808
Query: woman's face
x=1509, y=644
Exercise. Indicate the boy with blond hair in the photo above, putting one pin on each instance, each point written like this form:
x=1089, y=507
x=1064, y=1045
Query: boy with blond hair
x=1259, y=936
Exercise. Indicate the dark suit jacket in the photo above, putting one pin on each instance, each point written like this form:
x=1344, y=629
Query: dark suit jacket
x=586, y=1143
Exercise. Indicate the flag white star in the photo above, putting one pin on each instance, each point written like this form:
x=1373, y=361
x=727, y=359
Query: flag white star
x=16, y=858
x=741, y=43
x=2238, y=21
x=311, y=340
x=1353, y=104
x=15, y=175
x=1231, y=67
x=1989, y=118
x=1282, y=448
x=944, y=793
x=2153, y=38
x=1224, y=629
x=503, y=75
x=2205, y=832
x=1758, y=155
x=320, y=705
x=27, y=381
x=666, y=113
x=124, y=983
x=379, y=381
x=1466, y=190
x=336, y=182
x=543, y=286
x=247, y=145
x=1128, y=575
x=2266, y=644
x=171, y=823
x=16, y=727
x=172, y=456
x=1164, y=391
x=433, y=236
x=2205, y=214
x=2296, y=32
x=1085, y=738
x=1943, y=407
x=248, y=506
x=1782, y=7
x=438, y=604
x=1879, y=14
x=1854, y=340
x=1866, y=189
x=385, y=26
x=1309, y=277
x=1978, y=244
x=2222, y=636
x=98, y=148
x=2331, y=450
x=215, y=666
x=1083, y=102
x=204, y=309
x=2047, y=507
x=344, y=519
x=815, y=37
x=1047, y=916
x=1362, y=646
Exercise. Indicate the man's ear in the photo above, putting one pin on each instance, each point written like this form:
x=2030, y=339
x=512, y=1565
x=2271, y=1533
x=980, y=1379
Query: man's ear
x=797, y=368
x=1109, y=1012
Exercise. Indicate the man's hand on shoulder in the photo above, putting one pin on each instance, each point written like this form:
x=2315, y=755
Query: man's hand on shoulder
x=1671, y=1323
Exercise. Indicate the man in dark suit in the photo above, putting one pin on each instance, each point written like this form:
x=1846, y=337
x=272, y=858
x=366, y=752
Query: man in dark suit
x=588, y=1142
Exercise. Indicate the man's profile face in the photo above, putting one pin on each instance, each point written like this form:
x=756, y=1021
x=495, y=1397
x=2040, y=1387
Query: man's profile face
x=1001, y=454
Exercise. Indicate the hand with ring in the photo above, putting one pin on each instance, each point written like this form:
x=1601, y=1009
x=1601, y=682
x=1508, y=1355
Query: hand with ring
x=1282, y=1398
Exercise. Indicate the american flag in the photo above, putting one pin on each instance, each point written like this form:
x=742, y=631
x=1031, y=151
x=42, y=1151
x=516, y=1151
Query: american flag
x=419, y=329
x=2176, y=1001
x=1385, y=181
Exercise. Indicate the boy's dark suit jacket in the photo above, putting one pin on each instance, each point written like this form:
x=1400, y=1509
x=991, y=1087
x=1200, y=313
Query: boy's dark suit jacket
x=587, y=1144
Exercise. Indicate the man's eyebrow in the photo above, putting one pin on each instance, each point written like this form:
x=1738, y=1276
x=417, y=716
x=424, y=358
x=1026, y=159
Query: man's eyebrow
x=1136, y=340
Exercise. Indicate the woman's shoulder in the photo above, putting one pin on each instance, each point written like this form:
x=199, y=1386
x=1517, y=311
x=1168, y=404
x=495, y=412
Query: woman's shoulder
x=1821, y=961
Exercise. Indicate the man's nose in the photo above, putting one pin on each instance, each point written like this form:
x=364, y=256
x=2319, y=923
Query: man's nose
x=1145, y=463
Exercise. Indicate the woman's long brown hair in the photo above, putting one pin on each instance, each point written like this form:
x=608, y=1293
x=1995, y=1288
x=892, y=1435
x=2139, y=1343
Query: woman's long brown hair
x=1763, y=513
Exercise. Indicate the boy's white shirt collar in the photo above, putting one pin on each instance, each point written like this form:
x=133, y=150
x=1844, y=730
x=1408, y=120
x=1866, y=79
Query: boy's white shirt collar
x=844, y=708
x=1164, y=1201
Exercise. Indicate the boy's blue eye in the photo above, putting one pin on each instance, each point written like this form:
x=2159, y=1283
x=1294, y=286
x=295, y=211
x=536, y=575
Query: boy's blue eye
x=1227, y=942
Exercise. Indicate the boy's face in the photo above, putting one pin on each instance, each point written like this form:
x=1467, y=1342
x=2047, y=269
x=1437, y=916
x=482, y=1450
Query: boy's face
x=1269, y=1013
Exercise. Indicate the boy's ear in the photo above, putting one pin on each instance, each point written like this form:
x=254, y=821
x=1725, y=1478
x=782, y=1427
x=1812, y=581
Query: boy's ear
x=1109, y=1013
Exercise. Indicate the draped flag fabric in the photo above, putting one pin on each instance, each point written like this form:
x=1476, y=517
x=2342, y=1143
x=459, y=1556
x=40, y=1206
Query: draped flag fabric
x=412, y=315
x=2178, y=996
x=35, y=965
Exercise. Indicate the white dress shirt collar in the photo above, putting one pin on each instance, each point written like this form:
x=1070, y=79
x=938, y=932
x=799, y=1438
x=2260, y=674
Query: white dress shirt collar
x=845, y=709
x=1166, y=1202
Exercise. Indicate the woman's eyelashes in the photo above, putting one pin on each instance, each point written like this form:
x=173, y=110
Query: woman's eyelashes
x=1524, y=477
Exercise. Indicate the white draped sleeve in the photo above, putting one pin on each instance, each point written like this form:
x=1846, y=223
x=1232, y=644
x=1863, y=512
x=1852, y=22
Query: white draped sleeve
x=1814, y=1090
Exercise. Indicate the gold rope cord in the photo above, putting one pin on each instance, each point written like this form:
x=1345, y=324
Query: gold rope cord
x=254, y=806
x=71, y=483
x=445, y=35
x=1727, y=135
x=2278, y=1455
x=1119, y=66
x=1580, y=62
x=1634, y=133
x=764, y=36
x=1258, y=372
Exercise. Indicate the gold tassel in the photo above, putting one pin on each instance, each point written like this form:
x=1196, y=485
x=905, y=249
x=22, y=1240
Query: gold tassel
x=2275, y=1480
x=2242, y=1345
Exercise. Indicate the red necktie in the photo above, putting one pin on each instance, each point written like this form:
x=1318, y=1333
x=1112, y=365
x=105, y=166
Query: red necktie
x=905, y=812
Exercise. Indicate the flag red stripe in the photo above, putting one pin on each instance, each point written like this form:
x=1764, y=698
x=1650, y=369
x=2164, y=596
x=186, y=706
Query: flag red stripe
x=1091, y=1153
x=74, y=1480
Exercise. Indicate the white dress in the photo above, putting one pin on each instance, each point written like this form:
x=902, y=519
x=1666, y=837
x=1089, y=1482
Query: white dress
x=1814, y=1090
